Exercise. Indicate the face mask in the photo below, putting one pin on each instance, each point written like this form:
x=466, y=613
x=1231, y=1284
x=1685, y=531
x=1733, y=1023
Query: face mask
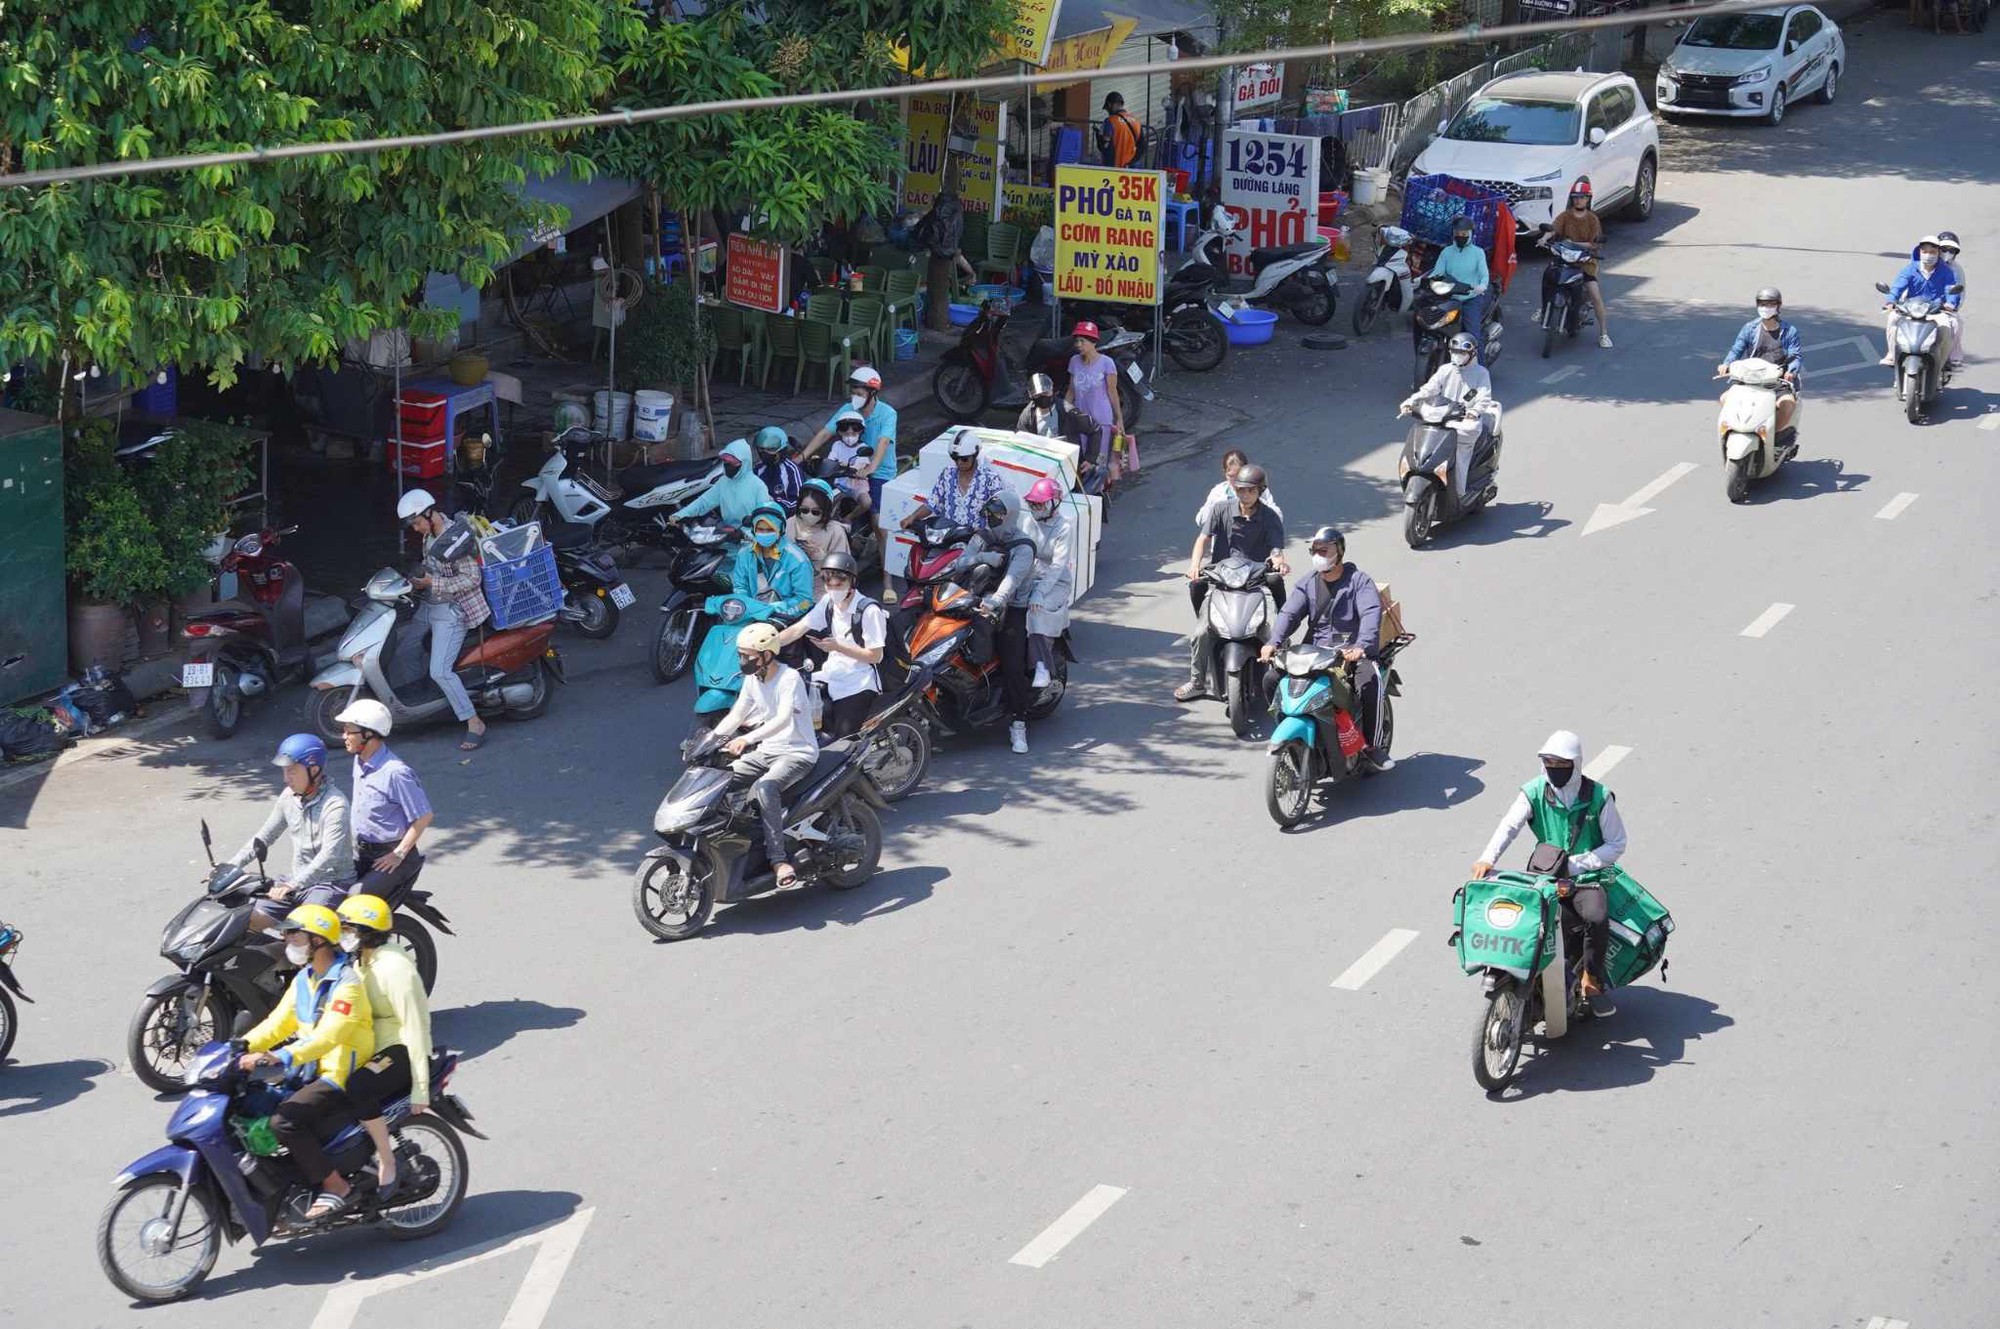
x=1043, y=403
x=1042, y=511
x=810, y=516
x=1461, y=240
x=995, y=520
x=747, y=664
x=1461, y=358
x=731, y=467
x=839, y=590
x=1767, y=311
x=852, y=438
x=1579, y=204
x=858, y=400
x=1927, y=262
x=298, y=952
x=1558, y=775
x=1324, y=562
x=349, y=942
x=765, y=539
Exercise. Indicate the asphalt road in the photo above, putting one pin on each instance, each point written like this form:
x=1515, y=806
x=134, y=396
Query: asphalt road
x=1078, y=1055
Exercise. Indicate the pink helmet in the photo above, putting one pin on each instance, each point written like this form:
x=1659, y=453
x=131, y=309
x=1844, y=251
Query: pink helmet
x=1043, y=494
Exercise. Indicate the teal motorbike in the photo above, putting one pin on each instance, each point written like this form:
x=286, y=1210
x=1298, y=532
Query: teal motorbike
x=717, y=679
x=1316, y=741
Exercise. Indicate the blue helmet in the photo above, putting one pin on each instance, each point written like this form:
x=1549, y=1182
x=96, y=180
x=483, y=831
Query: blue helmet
x=305, y=750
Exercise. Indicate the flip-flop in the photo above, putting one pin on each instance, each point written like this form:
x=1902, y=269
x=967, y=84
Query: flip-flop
x=787, y=877
x=473, y=742
x=328, y=1205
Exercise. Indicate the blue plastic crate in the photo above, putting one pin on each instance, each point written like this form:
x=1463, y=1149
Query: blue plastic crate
x=523, y=590
x=1432, y=202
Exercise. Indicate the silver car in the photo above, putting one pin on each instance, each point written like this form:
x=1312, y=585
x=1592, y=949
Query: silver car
x=1752, y=65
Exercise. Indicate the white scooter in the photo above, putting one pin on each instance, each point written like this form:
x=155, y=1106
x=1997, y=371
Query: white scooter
x=635, y=511
x=1391, y=284
x=1294, y=276
x=1923, y=351
x=1752, y=445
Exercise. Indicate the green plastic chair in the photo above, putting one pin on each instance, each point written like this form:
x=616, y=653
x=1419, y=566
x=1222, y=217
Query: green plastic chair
x=824, y=270
x=890, y=257
x=756, y=339
x=781, y=342
x=1003, y=244
x=729, y=337
x=823, y=307
x=872, y=278
x=822, y=344
x=972, y=235
x=868, y=316
x=900, y=291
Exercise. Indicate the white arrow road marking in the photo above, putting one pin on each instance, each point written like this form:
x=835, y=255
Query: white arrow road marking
x=1617, y=514
x=555, y=1247
x=1600, y=766
x=1069, y=1227
x=1767, y=620
x=1991, y=420
x=1355, y=975
x=1567, y=371
x=1859, y=345
x=1894, y=507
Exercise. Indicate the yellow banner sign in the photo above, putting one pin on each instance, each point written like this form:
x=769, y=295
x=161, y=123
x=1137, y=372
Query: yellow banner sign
x=928, y=131
x=1028, y=36
x=1109, y=226
x=1026, y=203
x=1088, y=50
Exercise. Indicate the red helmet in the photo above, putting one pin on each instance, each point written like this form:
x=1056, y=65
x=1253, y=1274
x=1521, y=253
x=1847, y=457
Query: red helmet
x=1582, y=186
x=1084, y=328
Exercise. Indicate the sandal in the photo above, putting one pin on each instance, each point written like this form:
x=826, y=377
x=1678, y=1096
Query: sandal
x=328, y=1205
x=786, y=876
x=473, y=742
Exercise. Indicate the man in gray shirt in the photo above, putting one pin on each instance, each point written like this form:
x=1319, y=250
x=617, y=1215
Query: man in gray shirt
x=313, y=810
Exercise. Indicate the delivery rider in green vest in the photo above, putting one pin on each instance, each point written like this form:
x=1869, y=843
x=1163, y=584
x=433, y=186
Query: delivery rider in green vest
x=1566, y=808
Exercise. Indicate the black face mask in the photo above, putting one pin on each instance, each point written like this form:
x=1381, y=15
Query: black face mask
x=1461, y=240
x=1558, y=775
x=1043, y=403
x=731, y=467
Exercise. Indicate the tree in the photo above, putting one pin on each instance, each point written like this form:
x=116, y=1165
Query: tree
x=1255, y=25
x=291, y=260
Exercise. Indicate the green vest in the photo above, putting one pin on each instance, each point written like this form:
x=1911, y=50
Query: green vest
x=1554, y=824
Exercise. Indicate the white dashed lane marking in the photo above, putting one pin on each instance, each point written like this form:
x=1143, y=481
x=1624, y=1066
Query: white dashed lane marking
x=1767, y=620
x=1895, y=506
x=1355, y=975
x=1600, y=766
x=1069, y=1227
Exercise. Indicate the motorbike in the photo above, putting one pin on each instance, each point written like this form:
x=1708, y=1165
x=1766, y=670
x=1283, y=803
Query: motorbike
x=595, y=596
x=699, y=569
x=633, y=510
x=974, y=376
x=961, y=688
x=1316, y=741
x=1295, y=277
x=1565, y=306
x=901, y=752
x=939, y=546
x=717, y=679
x=1753, y=447
x=1433, y=320
x=239, y=651
x=1239, y=610
x=10, y=987
x=1392, y=284
x=714, y=850
x=1428, y=471
x=222, y=1175
x=1923, y=352
x=506, y=672
x=1195, y=339
x=227, y=970
x=478, y=471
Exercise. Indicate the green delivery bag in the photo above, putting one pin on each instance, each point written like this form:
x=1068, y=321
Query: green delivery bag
x=1640, y=926
x=1499, y=920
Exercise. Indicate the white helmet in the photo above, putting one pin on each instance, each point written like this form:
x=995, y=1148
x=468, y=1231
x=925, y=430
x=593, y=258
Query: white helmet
x=865, y=377
x=964, y=443
x=414, y=503
x=1562, y=743
x=367, y=714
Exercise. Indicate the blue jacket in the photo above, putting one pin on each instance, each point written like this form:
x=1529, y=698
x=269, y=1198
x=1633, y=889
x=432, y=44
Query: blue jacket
x=1467, y=265
x=1788, y=342
x=791, y=578
x=1913, y=280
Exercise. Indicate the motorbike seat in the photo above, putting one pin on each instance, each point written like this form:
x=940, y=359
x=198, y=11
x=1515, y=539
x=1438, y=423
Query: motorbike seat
x=566, y=534
x=1264, y=258
x=638, y=479
x=831, y=755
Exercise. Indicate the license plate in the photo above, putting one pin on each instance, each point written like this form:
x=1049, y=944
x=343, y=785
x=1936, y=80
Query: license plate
x=621, y=595
x=201, y=675
x=1133, y=372
x=1226, y=309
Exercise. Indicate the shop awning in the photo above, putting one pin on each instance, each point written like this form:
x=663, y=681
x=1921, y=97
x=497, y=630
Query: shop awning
x=1151, y=17
x=586, y=200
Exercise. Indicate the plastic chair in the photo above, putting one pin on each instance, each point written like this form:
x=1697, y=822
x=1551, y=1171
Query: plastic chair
x=872, y=278
x=823, y=307
x=868, y=315
x=900, y=291
x=825, y=271
x=729, y=337
x=822, y=344
x=781, y=342
x=972, y=239
x=756, y=339
x=890, y=257
x=1003, y=251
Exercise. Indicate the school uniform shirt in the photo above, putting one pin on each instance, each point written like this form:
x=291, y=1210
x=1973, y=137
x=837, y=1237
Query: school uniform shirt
x=843, y=674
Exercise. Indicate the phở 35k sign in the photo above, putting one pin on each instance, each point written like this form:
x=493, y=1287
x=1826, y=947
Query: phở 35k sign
x=1108, y=234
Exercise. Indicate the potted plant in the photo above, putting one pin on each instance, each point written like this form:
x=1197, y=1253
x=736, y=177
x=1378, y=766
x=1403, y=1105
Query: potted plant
x=114, y=561
x=186, y=486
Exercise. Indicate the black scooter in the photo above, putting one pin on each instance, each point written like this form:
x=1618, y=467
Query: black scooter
x=10, y=1021
x=1428, y=469
x=1194, y=338
x=975, y=376
x=1565, y=306
x=700, y=568
x=594, y=593
x=1434, y=318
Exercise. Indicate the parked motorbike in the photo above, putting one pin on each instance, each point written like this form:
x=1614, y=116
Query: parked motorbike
x=946, y=647
x=1315, y=741
x=1295, y=277
x=698, y=571
x=221, y=1174
x=1753, y=447
x=1392, y=283
x=714, y=851
x=1923, y=352
x=478, y=470
x=975, y=376
x=1238, y=608
x=10, y=987
x=1434, y=491
x=1565, y=304
x=238, y=651
x=227, y=970
x=633, y=510
x=595, y=595
x=1188, y=311
x=506, y=672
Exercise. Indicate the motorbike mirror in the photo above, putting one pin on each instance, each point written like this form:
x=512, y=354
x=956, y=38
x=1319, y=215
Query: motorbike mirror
x=1882, y=286
x=1597, y=137
x=259, y=848
x=1954, y=290
x=207, y=842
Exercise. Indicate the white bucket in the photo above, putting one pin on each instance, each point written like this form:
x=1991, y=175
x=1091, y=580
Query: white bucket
x=652, y=410
x=1371, y=186
x=611, y=413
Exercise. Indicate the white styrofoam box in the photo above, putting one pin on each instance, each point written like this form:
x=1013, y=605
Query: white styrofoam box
x=899, y=499
x=1022, y=458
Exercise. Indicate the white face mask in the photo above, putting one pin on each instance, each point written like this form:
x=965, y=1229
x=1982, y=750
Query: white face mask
x=298, y=952
x=349, y=942
x=858, y=400
x=1767, y=311
x=1324, y=562
x=1927, y=262
x=1461, y=358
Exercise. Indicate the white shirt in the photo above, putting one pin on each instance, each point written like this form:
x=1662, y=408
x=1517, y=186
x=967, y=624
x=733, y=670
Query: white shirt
x=844, y=675
x=1221, y=493
x=1590, y=860
x=779, y=713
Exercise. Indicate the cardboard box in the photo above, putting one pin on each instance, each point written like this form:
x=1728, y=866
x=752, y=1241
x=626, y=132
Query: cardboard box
x=901, y=496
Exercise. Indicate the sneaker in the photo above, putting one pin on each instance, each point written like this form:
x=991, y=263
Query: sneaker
x=1600, y=1006
x=1190, y=692
x=1041, y=679
x=1017, y=736
x=1378, y=760
x=1604, y=340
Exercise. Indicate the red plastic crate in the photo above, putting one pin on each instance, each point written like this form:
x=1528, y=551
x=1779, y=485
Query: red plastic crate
x=422, y=460
x=423, y=416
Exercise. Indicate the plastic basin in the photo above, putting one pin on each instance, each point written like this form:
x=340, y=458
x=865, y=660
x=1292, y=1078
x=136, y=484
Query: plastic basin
x=1249, y=327
x=963, y=314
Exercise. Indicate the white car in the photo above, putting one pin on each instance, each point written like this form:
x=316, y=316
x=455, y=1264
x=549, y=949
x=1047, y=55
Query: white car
x=1529, y=136
x=1753, y=64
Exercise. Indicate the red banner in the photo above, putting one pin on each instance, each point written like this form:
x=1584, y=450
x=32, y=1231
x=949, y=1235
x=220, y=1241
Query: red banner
x=756, y=277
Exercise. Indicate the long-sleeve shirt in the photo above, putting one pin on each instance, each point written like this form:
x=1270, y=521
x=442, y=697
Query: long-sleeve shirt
x=1785, y=340
x=1590, y=860
x=327, y=1019
x=1467, y=265
x=1346, y=613
x=783, y=479
x=1932, y=285
x=785, y=581
x=457, y=582
x=779, y=713
x=401, y=1012
x=1012, y=550
x=322, y=852
x=1450, y=382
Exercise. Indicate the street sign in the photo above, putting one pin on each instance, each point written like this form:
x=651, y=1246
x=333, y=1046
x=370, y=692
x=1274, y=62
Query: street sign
x=756, y=274
x=1109, y=232
x=1270, y=184
x=1256, y=85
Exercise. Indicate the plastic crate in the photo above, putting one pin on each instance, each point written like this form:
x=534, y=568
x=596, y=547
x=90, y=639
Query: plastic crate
x=1432, y=202
x=511, y=544
x=423, y=415
x=523, y=590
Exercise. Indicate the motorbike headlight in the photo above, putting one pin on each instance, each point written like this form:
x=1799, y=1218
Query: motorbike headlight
x=1450, y=316
x=1757, y=75
x=732, y=611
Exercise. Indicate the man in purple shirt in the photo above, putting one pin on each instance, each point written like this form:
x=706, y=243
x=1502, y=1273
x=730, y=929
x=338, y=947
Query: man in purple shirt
x=387, y=809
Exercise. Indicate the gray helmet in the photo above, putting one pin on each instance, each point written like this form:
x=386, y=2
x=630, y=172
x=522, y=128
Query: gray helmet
x=1771, y=295
x=1327, y=535
x=1251, y=474
x=1462, y=341
x=1041, y=385
x=843, y=563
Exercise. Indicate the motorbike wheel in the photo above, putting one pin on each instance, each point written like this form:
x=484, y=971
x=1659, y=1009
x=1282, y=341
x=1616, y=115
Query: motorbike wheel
x=161, y=1038
x=439, y=1165
x=1367, y=311
x=527, y=508
x=1549, y=334
x=596, y=617
x=960, y=392
x=136, y=1217
x=1913, y=400
x=851, y=819
x=1196, y=341
x=1736, y=480
x=1236, y=704
x=225, y=704
x=1315, y=307
x=538, y=700
x=10, y=1021
x=1134, y=405
x=423, y=949
x=898, y=759
x=671, y=904
x=322, y=704
x=1496, y=1044
x=1419, y=518
x=1288, y=788
x=673, y=649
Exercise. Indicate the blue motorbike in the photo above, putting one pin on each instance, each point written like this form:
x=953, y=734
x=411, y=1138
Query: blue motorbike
x=1316, y=741
x=717, y=679
x=223, y=1175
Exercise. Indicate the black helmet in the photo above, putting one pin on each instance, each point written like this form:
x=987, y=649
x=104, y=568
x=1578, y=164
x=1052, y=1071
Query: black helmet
x=1771, y=295
x=1251, y=475
x=1327, y=535
x=843, y=563
x=1041, y=385
x=1461, y=225
x=1462, y=341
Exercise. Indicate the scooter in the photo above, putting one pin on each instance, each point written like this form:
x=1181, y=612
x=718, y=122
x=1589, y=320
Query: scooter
x=1433, y=319
x=10, y=987
x=472, y=487
x=938, y=548
x=239, y=651
x=1239, y=610
x=714, y=851
x=1753, y=447
x=633, y=510
x=1316, y=741
x=698, y=571
x=506, y=672
x=1188, y=311
x=1434, y=490
x=223, y=1174
x=1296, y=277
x=1565, y=307
x=1923, y=352
x=1391, y=283
x=717, y=678
x=949, y=651
x=595, y=596
x=974, y=376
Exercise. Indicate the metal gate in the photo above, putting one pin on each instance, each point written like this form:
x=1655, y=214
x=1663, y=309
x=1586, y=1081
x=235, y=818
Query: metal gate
x=34, y=618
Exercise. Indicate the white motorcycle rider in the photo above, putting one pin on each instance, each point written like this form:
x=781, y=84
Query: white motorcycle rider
x=1763, y=368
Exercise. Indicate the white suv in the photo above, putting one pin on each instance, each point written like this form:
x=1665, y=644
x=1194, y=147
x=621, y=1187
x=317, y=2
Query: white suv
x=1530, y=136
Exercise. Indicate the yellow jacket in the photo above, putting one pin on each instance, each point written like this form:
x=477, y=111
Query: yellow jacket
x=402, y=1013
x=326, y=1017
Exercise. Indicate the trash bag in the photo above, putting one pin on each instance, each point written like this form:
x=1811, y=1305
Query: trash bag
x=104, y=701
x=27, y=734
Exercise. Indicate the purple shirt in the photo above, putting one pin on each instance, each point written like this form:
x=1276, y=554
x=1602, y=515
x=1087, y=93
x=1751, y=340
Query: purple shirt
x=387, y=798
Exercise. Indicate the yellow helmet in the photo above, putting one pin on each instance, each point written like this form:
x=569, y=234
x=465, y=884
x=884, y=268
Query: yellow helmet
x=316, y=919
x=368, y=911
